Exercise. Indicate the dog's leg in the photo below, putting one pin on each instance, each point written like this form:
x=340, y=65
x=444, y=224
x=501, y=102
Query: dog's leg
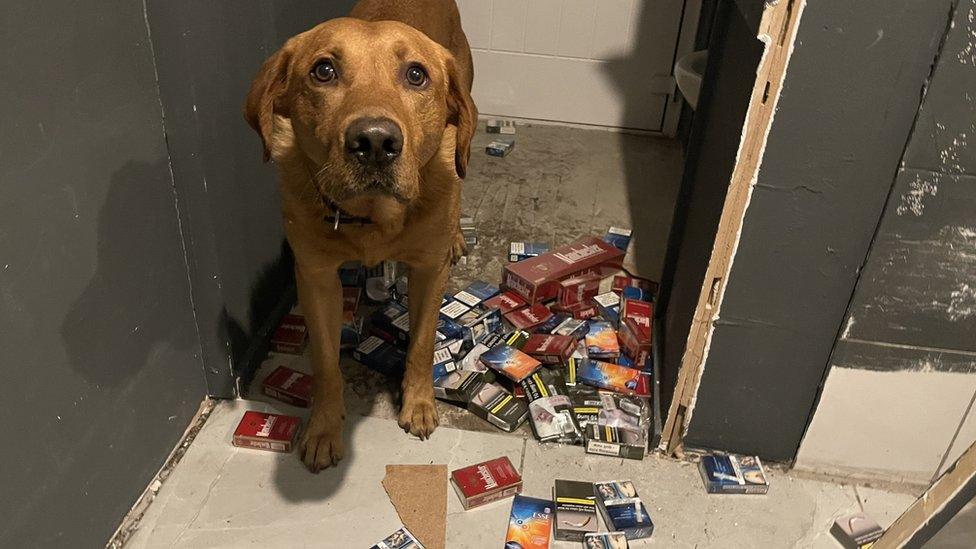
x=418, y=414
x=320, y=295
x=459, y=249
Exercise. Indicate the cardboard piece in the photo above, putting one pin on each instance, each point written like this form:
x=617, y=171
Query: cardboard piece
x=419, y=494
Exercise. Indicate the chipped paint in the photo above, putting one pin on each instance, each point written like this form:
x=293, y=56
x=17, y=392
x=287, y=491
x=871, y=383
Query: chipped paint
x=967, y=55
x=914, y=200
x=962, y=303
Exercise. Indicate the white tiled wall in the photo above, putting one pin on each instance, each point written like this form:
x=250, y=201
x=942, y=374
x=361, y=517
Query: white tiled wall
x=602, y=62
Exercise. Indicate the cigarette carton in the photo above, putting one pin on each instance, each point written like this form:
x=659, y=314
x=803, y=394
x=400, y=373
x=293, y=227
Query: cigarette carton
x=529, y=317
x=478, y=322
x=575, y=510
x=458, y=386
x=601, y=340
x=606, y=440
x=506, y=302
x=733, y=474
x=443, y=362
x=486, y=482
x=636, y=309
x=578, y=290
x=549, y=348
x=572, y=327
x=612, y=377
x=618, y=237
x=380, y=356
x=448, y=329
x=476, y=292
x=608, y=305
x=504, y=127
x=511, y=362
x=518, y=251
x=291, y=336
x=857, y=531
x=289, y=386
x=499, y=407
x=637, y=293
x=635, y=340
x=586, y=404
x=500, y=147
x=622, y=509
x=552, y=419
x=606, y=540
x=537, y=279
x=550, y=324
x=401, y=539
x=381, y=322
x=545, y=382
x=530, y=523
x=581, y=311
x=264, y=431
x=516, y=339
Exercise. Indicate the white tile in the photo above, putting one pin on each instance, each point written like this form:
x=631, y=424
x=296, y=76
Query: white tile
x=613, y=29
x=564, y=90
x=892, y=424
x=576, y=28
x=476, y=22
x=507, y=25
x=542, y=26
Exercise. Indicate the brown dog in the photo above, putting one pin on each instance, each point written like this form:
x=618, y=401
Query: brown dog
x=369, y=120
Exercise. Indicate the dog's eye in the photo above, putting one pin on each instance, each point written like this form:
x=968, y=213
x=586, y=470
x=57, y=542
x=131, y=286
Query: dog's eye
x=416, y=75
x=324, y=71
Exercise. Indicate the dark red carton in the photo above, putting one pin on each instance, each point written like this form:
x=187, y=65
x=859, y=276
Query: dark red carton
x=635, y=340
x=289, y=386
x=622, y=281
x=506, y=302
x=578, y=290
x=291, y=335
x=264, y=431
x=525, y=319
x=537, y=278
x=641, y=311
x=486, y=482
x=549, y=348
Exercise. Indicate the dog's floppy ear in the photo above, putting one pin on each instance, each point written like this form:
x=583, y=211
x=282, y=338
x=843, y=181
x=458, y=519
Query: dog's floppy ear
x=262, y=100
x=462, y=113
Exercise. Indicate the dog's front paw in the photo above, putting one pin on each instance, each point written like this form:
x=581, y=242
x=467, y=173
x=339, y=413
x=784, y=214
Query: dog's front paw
x=459, y=249
x=418, y=415
x=321, y=443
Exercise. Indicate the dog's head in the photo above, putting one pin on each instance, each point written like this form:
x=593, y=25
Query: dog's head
x=366, y=103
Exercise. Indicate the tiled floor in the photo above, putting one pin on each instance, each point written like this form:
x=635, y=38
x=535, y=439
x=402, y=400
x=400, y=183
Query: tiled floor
x=222, y=496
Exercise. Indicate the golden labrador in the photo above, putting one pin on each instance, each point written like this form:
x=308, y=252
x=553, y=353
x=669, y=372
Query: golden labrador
x=369, y=120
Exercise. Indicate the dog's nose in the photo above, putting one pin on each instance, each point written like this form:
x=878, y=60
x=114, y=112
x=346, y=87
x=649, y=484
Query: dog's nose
x=374, y=141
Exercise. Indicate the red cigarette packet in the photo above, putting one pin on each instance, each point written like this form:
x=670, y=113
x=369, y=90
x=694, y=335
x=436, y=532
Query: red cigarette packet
x=578, y=289
x=635, y=340
x=264, y=431
x=486, y=482
x=526, y=318
x=506, y=302
x=537, y=278
x=620, y=282
x=549, y=348
x=289, y=386
x=290, y=336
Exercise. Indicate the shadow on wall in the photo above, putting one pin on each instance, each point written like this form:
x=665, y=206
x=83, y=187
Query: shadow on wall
x=121, y=316
x=652, y=181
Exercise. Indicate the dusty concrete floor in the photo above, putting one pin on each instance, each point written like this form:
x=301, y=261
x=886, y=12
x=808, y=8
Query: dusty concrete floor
x=222, y=496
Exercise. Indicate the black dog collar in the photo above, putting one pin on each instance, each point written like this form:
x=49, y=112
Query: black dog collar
x=340, y=216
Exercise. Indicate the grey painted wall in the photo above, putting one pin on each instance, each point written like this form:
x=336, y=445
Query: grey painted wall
x=848, y=103
x=101, y=358
x=913, y=315
x=207, y=54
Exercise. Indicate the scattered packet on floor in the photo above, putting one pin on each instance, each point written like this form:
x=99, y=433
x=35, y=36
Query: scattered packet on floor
x=289, y=386
x=575, y=510
x=601, y=340
x=587, y=404
x=621, y=282
x=511, y=362
x=530, y=523
x=458, y=386
x=549, y=348
x=504, y=127
x=486, y=482
x=621, y=428
x=443, y=362
x=612, y=377
x=622, y=509
x=578, y=289
x=733, y=474
x=545, y=382
x=606, y=540
x=635, y=341
x=291, y=335
x=499, y=407
x=856, y=531
x=266, y=431
x=380, y=356
x=527, y=318
x=619, y=237
x=552, y=420
x=454, y=309
x=401, y=539
x=573, y=327
x=517, y=251
x=500, y=147
x=476, y=292
x=506, y=302
x=479, y=322
x=550, y=324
